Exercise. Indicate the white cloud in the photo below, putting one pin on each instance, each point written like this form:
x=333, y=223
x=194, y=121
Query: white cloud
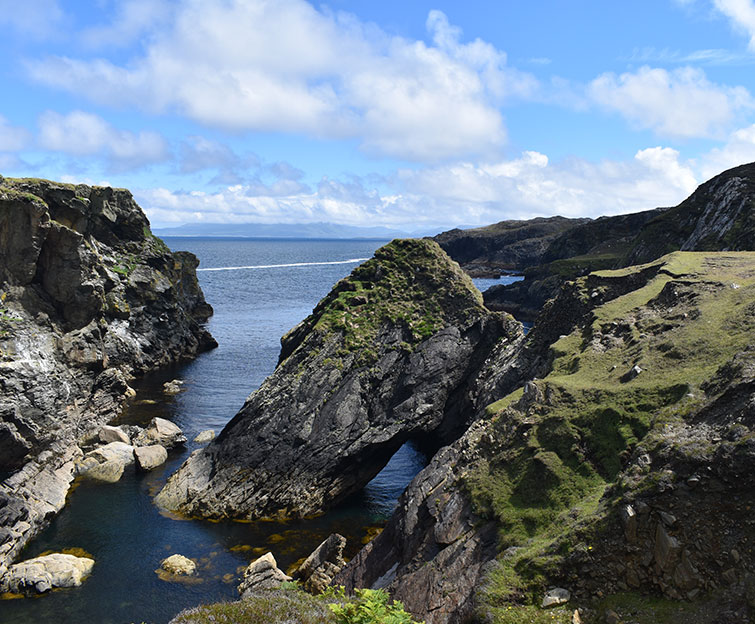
x=742, y=14
x=131, y=19
x=681, y=103
x=285, y=66
x=38, y=19
x=738, y=150
x=449, y=195
x=12, y=138
x=84, y=134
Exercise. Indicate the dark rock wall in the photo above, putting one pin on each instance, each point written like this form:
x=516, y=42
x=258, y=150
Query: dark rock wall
x=89, y=299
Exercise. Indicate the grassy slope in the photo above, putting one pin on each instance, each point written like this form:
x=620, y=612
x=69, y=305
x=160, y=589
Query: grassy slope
x=552, y=457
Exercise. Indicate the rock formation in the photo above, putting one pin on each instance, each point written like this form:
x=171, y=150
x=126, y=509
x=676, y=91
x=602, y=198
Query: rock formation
x=89, y=298
x=389, y=355
x=504, y=246
x=590, y=479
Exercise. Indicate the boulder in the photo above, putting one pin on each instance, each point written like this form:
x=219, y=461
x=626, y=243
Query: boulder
x=107, y=463
x=178, y=565
x=555, y=596
x=107, y=434
x=150, y=457
x=319, y=569
x=173, y=387
x=262, y=573
x=42, y=574
x=162, y=432
x=208, y=435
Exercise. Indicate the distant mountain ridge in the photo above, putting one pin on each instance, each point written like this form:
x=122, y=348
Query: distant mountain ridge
x=289, y=230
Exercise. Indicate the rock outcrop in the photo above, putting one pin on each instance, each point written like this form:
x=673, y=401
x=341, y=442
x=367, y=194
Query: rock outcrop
x=589, y=479
x=89, y=298
x=719, y=215
x=321, y=567
x=262, y=573
x=505, y=246
x=41, y=574
x=389, y=355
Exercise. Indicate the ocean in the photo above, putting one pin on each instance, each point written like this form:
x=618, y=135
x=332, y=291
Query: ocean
x=259, y=289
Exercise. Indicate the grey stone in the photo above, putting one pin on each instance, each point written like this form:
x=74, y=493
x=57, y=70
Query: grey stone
x=554, y=597
x=666, y=550
x=208, y=435
x=178, y=565
x=42, y=574
x=319, y=569
x=150, y=457
x=262, y=573
x=162, y=432
x=107, y=434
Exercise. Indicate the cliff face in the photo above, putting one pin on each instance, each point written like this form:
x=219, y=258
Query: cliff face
x=625, y=466
x=89, y=299
x=389, y=355
x=719, y=215
x=504, y=246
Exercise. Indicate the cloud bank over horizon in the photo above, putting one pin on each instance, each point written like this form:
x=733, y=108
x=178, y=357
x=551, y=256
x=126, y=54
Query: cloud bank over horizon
x=232, y=111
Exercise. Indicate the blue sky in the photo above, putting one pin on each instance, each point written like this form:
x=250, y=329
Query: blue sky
x=414, y=115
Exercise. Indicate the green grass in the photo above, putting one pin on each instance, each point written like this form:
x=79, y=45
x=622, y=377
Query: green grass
x=290, y=604
x=543, y=479
x=410, y=284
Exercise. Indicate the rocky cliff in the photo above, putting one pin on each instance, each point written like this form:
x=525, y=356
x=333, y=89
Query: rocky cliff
x=504, y=246
x=391, y=354
x=89, y=298
x=719, y=215
x=623, y=468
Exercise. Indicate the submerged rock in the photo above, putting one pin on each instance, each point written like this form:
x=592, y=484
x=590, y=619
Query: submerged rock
x=208, y=435
x=388, y=355
x=262, y=573
x=42, y=574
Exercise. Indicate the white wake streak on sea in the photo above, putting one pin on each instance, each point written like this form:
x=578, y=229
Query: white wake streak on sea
x=281, y=266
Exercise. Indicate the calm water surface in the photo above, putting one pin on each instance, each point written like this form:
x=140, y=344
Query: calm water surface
x=118, y=524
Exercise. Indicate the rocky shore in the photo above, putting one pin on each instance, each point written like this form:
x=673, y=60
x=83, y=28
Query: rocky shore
x=89, y=299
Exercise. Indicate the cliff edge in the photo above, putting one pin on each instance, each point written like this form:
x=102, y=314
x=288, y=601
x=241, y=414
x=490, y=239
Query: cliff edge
x=89, y=298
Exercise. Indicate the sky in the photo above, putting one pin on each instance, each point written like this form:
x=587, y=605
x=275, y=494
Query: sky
x=413, y=115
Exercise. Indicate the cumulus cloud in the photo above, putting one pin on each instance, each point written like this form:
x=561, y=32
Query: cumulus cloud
x=85, y=134
x=448, y=195
x=680, y=103
x=742, y=15
x=286, y=66
x=738, y=149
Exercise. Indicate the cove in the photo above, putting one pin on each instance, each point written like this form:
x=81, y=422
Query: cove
x=276, y=284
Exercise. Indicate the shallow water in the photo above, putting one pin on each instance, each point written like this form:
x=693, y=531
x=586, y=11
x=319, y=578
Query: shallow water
x=118, y=524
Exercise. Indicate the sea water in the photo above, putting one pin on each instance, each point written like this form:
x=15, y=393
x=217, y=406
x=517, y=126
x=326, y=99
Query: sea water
x=259, y=289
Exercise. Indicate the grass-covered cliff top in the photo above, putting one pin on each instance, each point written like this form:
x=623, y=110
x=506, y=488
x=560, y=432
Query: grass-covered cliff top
x=635, y=366
x=409, y=283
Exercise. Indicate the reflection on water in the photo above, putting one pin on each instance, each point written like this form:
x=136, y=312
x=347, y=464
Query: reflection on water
x=118, y=524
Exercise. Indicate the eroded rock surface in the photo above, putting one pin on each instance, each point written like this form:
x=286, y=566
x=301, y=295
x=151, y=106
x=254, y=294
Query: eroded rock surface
x=588, y=479
x=41, y=574
x=389, y=355
x=262, y=573
x=89, y=298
